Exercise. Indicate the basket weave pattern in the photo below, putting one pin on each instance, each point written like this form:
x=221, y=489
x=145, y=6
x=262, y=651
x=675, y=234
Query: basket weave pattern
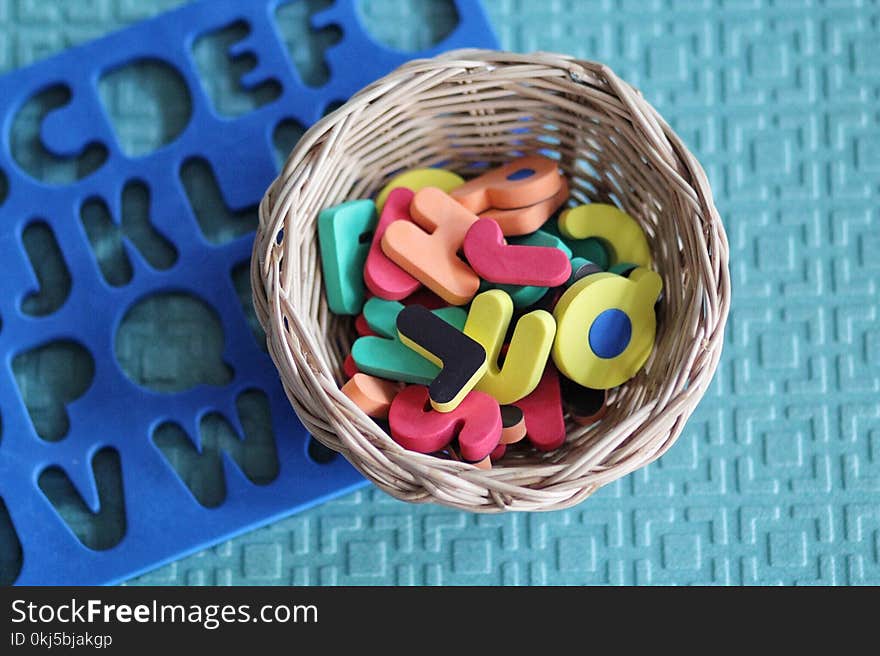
x=458, y=110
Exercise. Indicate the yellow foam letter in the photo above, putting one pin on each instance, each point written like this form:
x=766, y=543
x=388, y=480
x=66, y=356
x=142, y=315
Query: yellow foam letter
x=606, y=327
x=487, y=323
x=621, y=235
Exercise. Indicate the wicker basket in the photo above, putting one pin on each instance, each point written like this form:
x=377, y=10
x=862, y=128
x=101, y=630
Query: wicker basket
x=456, y=111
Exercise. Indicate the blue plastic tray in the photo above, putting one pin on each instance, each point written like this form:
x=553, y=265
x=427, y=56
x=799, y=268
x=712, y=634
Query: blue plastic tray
x=115, y=416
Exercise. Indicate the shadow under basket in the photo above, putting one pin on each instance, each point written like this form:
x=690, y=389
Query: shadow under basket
x=463, y=111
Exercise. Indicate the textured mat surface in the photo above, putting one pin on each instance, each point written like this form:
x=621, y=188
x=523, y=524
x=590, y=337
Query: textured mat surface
x=776, y=478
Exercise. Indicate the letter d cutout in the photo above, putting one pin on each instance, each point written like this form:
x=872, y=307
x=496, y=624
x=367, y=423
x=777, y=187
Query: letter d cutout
x=605, y=327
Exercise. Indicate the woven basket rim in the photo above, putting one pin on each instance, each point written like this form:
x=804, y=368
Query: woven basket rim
x=473, y=95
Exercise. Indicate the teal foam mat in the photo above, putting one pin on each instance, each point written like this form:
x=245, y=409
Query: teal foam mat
x=776, y=478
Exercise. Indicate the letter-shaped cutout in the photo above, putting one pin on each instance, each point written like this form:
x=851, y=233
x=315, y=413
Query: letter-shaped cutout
x=50, y=378
x=372, y=395
x=463, y=360
x=621, y=235
x=428, y=247
x=54, y=153
x=498, y=262
x=545, y=424
x=606, y=327
x=525, y=220
x=230, y=73
x=344, y=249
x=382, y=276
x=417, y=179
x=476, y=421
x=520, y=183
x=385, y=355
x=107, y=237
x=50, y=268
x=198, y=460
x=487, y=324
x=97, y=527
x=219, y=222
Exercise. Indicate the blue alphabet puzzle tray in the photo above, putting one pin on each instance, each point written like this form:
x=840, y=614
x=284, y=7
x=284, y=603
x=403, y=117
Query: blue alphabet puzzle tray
x=118, y=452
